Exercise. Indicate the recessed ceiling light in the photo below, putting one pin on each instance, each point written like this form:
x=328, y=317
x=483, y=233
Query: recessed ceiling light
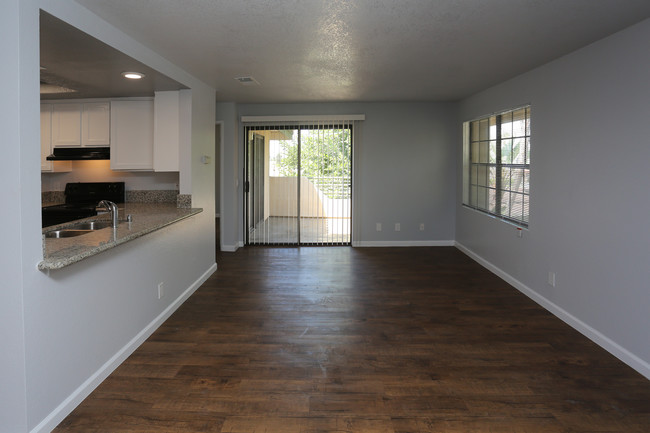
x=133, y=75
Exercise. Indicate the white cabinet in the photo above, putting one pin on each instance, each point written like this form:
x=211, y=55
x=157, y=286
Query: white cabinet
x=66, y=125
x=132, y=135
x=143, y=133
x=81, y=124
x=166, y=134
x=46, y=144
x=96, y=124
x=172, y=128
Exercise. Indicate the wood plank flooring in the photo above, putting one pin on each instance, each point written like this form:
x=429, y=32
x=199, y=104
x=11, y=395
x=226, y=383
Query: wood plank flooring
x=386, y=340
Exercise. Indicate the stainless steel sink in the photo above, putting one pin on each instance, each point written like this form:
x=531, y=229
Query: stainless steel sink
x=66, y=233
x=78, y=229
x=91, y=225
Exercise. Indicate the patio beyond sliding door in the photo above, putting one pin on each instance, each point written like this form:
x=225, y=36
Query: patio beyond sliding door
x=299, y=184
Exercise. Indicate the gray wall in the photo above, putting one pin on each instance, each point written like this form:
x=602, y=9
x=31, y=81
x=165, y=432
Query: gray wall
x=217, y=167
x=230, y=231
x=13, y=392
x=61, y=333
x=589, y=192
x=404, y=169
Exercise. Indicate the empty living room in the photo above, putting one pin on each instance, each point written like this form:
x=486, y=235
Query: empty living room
x=334, y=216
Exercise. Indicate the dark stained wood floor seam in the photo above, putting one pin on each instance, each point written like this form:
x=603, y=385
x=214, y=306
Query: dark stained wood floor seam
x=387, y=340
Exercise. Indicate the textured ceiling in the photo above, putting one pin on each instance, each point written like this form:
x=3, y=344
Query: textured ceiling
x=364, y=50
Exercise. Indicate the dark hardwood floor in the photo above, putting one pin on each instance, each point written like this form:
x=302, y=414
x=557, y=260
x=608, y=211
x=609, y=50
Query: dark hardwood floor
x=364, y=340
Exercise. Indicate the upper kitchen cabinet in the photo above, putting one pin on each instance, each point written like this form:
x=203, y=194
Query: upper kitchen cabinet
x=148, y=134
x=172, y=118
x=96, y=124
x=81, y=85
x=66, y=125
x=46, y=144
x=81, y=124
x=132, y=127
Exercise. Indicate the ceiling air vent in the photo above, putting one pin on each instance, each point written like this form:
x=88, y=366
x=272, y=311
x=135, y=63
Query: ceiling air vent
x=247, y=81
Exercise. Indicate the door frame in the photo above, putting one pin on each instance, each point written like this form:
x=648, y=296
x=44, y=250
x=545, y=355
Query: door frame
x=300, y=126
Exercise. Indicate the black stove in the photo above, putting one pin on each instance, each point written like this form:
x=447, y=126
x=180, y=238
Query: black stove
x=81, y=201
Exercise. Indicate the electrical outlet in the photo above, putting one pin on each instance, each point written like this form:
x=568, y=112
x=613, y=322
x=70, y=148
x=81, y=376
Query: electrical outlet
x=378, y=227
x=422, y=227
x=161, y=290
x=397, y=227
x=551, y=279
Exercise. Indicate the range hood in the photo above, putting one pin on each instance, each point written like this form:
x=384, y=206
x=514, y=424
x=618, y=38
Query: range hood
x=79, y=153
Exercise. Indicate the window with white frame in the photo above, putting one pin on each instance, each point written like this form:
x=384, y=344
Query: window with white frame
x=496, y=178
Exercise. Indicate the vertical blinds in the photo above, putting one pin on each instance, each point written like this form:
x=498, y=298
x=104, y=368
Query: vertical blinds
x=299, y=180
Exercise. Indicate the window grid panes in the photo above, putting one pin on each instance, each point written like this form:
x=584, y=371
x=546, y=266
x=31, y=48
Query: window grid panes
x=498, y=156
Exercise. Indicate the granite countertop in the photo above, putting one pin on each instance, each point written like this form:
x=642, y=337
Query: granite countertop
x=147, y=217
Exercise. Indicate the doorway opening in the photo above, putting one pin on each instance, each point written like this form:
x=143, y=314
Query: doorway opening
x=298, y=184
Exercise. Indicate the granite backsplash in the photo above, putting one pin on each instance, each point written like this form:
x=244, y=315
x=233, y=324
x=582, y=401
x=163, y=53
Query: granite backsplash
x=183, y=201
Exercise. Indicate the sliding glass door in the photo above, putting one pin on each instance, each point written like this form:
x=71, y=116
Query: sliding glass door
x=299, y=184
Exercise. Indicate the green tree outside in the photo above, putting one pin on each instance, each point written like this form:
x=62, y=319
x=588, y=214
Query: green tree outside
x=324, y=153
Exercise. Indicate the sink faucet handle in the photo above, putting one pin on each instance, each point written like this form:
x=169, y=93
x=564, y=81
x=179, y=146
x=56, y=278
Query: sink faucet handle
x=107, y=204
x=112, y=208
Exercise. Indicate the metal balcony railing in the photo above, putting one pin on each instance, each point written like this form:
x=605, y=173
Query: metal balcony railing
x=333, y=187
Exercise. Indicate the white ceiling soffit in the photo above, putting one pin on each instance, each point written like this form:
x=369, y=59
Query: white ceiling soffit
x=364, y=50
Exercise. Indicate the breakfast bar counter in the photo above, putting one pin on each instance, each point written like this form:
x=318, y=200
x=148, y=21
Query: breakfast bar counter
x=145, y=218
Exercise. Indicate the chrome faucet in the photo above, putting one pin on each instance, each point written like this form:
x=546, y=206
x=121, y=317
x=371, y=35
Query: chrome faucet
x=112, y=208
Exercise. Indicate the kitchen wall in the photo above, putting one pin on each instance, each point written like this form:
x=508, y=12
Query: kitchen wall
x=63, y=332
x=100, y=171
x=589, y=192
x=404, y=169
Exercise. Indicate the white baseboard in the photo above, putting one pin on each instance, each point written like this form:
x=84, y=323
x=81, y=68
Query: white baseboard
x=403, y=243
x=233, y=248
x=70, y=403
x=594, y=335
x=229, y=248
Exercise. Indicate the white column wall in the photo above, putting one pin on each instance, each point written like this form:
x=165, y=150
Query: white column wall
x=13, y=410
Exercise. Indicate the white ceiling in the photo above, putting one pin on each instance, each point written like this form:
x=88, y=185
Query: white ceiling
x=364, y=50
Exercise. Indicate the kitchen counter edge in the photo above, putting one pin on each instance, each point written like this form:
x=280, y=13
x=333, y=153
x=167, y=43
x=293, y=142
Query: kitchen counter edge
x=147, y=218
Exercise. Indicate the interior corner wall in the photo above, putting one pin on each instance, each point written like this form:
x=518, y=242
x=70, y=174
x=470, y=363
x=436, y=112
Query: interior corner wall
x=404, y=168
x=202, y=135
x=589, y=207
x=229, y=232
x=217, y=165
